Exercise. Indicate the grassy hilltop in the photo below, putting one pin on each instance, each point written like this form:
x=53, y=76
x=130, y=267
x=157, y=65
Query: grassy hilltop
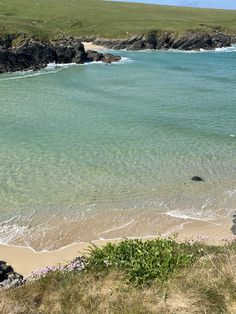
x=49, y=18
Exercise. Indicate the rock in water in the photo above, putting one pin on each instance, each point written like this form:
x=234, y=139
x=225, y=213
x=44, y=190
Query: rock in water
x=196, y=178
x=94, y=56
x=109, y=58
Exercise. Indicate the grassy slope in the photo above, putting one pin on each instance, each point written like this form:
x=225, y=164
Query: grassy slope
x=104, y=19
x=207, y=285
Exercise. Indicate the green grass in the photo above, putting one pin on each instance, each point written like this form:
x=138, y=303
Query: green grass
x=49, y=18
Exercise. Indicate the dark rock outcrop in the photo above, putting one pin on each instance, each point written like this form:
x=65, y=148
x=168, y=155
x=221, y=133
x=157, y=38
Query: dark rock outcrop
x=94, y=56
x=201, y=40
x=42, y=53
x=11, y=62
x=109, y=58
x=9, y=278
x=69, y=50
x=233, y=228
x=31, y=54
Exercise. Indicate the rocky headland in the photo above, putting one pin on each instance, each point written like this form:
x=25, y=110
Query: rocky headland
x=20, y=53
x=17, y=54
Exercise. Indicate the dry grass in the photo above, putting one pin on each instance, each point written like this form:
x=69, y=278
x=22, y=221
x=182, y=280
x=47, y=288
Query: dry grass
x=208, y=286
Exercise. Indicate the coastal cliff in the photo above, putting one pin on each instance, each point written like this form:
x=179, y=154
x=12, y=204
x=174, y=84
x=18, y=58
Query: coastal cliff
x=156, y=40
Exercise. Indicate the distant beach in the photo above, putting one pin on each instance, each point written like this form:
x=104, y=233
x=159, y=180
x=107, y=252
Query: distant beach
x=92, y=46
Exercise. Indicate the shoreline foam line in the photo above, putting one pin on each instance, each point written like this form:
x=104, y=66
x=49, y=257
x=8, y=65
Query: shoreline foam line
x=118, y=228
x=17, y=255
x=53, y=68
x=185, y=217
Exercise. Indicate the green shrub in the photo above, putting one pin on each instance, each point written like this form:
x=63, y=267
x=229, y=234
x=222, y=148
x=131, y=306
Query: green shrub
x=143, y=261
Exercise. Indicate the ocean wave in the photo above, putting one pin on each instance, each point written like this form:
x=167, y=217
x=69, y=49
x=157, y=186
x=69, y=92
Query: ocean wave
x=174, y=229
x=11, y=232
x=53, y=68
x=216, y=50
x=123, y=60
x=226, y=49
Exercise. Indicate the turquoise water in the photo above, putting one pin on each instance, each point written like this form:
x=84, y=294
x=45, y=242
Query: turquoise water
x=86, y=150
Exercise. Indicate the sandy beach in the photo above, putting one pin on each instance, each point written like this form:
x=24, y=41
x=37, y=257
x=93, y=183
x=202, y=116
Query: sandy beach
x=24, y=260
x=92, y=46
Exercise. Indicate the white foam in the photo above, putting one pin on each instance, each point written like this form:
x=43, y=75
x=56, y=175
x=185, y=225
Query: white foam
x=123, y=60
x=174, y=229
x=230, y=192
x=118, y=228
x=7, y=221
x=52, y=68
x=193, y=216
x=9, y=233
x=208, y=202
x=216, y=50
x=226, y=49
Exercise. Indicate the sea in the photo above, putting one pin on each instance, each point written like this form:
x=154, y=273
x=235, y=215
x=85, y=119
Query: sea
x=99, y=151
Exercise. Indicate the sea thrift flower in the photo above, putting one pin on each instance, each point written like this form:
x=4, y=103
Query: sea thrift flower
x=77, y=265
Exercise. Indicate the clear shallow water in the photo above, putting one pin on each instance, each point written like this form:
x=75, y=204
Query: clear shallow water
x=86, y=151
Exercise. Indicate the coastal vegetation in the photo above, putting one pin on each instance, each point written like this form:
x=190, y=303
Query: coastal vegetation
x=133, y=276
x=50, y=18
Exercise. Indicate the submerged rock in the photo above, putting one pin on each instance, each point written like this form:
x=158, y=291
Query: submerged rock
x=196, y=178
x=109, y=58
x=94, y=56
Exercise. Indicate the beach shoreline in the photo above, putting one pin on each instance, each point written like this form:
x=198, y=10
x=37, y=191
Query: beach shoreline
x=92, y=46
x=24, y=260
